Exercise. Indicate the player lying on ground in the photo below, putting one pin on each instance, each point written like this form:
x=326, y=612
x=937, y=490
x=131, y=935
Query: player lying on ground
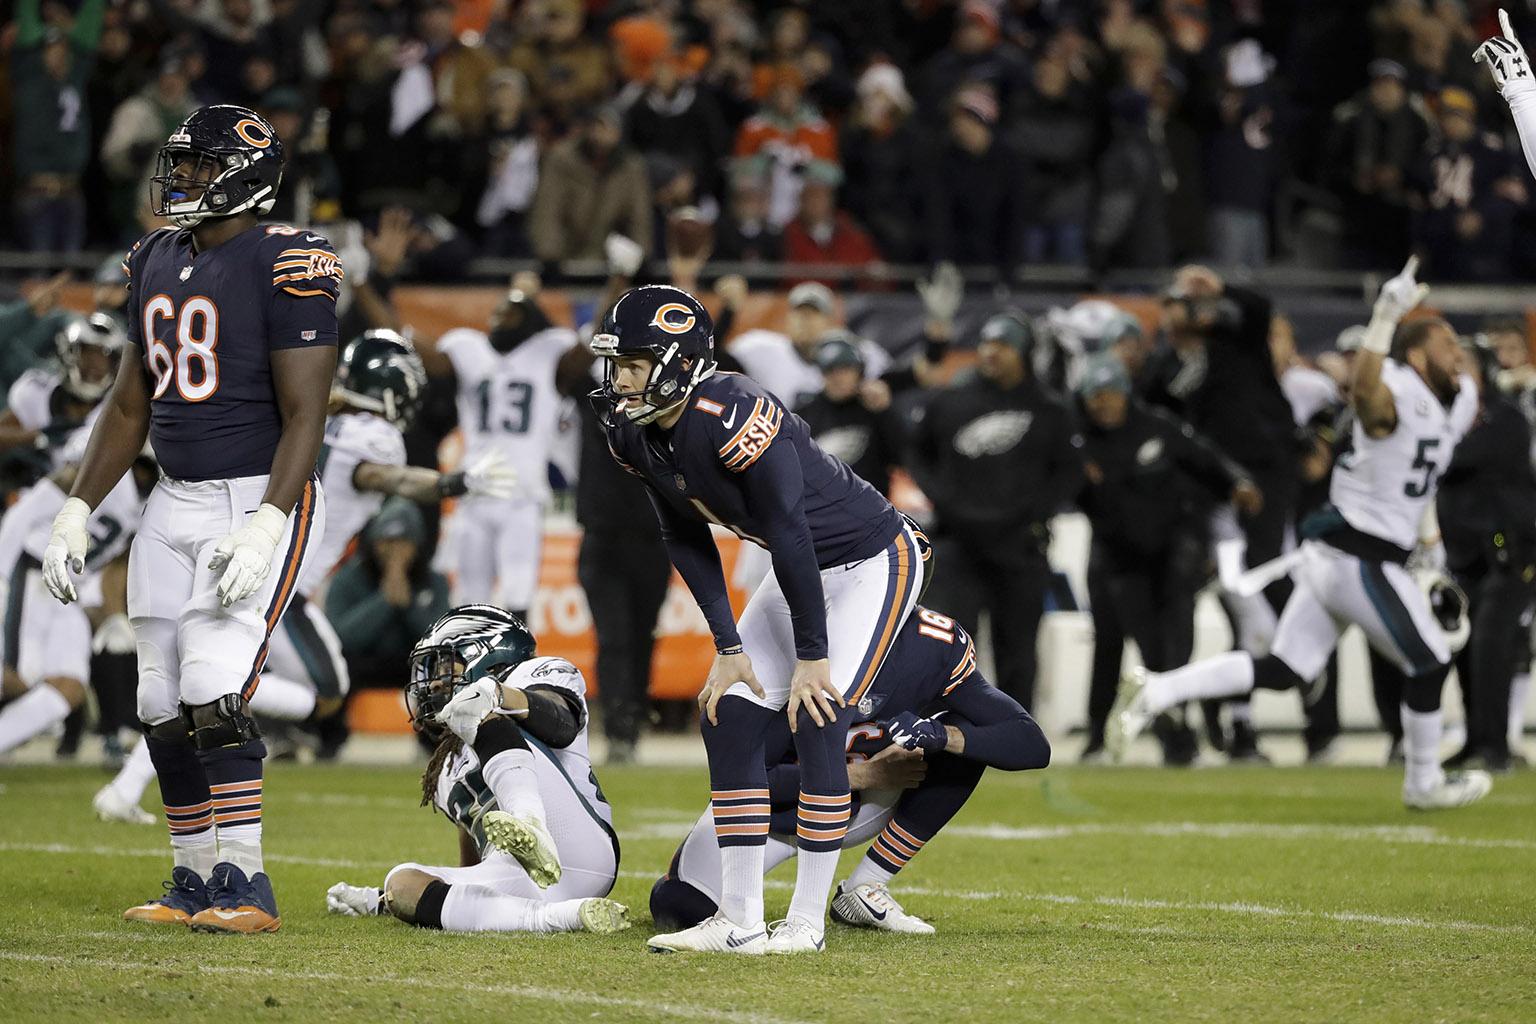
x=537, y=848
x=380, y=386
x=931, y=726
x=1411, y=410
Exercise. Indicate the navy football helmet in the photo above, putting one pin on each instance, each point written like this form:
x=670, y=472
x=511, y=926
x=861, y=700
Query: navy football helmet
x=221, y=161
x=459, y=649
x=671, y=327
x=380, y=371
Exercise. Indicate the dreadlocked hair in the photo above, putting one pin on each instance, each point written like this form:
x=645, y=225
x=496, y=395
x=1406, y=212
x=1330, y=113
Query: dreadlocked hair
x=449, y=746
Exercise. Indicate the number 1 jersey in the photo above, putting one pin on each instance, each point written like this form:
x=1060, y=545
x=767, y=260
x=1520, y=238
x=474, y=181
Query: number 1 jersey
x=206, y=324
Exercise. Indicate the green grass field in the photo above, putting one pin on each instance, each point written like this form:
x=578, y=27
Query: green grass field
x=1071, y=895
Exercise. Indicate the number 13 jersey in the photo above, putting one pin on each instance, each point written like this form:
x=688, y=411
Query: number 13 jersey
x=206, y=324
x=507, y=400
x=1382, y=485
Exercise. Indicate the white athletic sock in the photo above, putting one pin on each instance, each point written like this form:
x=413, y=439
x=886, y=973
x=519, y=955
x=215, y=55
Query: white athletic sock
x=31, y=713
x=1519, y=690
x=814, y=873
x=1421, y=748
x=475, y=908
x=511, y=776
x=1226, y=675
x=869, y=873
x=199, y=852
x=741, y=884
x=277, y=697
x=137, y=772
x=240, y=845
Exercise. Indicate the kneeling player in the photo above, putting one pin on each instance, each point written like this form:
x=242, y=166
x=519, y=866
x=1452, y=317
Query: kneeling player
x=928, y=698
x=536, y=835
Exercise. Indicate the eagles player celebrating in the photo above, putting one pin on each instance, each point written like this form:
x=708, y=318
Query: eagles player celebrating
x=512, y=772
x=233, y=328
x=1410, y=411
x=715, y=448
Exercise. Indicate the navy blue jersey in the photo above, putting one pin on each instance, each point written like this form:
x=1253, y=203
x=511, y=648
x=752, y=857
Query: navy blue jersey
x=206, y=325
x=737, y=458
x=930, y=659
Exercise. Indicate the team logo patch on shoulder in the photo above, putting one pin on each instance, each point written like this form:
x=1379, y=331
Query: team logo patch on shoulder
x=298, y=265
x=747, y=445
x=705, y=405
x=674, y=318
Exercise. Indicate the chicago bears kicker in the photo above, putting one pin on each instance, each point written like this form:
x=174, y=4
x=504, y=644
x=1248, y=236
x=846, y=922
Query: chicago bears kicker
x=233, y=333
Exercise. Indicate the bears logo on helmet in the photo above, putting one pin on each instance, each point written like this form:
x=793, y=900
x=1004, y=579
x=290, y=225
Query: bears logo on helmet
x=672, y=329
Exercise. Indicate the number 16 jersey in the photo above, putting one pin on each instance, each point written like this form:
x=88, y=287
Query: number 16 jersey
x=1382, y=485
x=206, y=324
x=507, y=400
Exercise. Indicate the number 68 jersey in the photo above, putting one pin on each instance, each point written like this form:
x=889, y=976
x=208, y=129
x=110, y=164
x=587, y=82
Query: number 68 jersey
x=206, y=324
x=1382, y=485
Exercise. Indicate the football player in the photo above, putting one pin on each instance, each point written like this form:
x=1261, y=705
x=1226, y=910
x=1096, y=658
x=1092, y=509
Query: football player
x=785, y=364
x=47, y=403
x=233, y=332
x=537, y=848
x=507, y=405
x=929, y=698
x=1411, y=409
x=718, y=449
x=378, y=392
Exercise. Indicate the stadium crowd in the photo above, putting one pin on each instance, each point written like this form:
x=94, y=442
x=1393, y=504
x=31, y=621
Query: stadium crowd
x=989, y=133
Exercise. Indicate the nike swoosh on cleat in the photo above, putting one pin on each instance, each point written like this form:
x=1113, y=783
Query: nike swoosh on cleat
x=878, y=915
x=729, y=423
x=733, y=940
x=228, y=915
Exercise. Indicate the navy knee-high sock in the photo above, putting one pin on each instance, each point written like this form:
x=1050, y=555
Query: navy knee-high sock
x=738, y=782
x=184, y=791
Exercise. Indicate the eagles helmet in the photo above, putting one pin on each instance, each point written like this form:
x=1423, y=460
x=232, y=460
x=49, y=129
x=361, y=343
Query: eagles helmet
x=460, y=648
x=98, y=331
x=670, y=326
x=380, y=371
x=221, y=161
x=1448, y=603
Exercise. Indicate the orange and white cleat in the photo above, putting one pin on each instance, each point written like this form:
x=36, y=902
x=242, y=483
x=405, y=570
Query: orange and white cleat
x=185, y=897
x=238, y=905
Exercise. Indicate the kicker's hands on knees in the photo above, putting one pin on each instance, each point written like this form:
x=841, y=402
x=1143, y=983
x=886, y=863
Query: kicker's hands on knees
x=726, y=671
x=811, y=688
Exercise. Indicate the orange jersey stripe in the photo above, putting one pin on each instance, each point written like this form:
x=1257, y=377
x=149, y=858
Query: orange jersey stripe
x=738, y=794
x=806, y=815
x=305, y=293
x=823, y=800
x=903, y=571
x=743, y=812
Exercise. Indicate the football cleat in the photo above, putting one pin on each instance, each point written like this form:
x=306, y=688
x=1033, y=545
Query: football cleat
x=603, y=917
x=110, y=806
x=529, y=841
x=1129, y=717
x=793, y=936
x=871, y=906
x=1455, y=789
x=354, y=900
x=238, y=905
x=185, y=897
x=718, y=934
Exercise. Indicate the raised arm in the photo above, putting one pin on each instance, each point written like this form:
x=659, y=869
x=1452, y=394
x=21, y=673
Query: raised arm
x=1516, y=82
x=1369, y=395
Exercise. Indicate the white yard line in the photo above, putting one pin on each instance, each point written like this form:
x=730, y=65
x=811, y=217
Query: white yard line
x=669, y=1010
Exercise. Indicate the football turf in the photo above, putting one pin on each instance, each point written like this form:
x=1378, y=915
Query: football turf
x=1228, y=894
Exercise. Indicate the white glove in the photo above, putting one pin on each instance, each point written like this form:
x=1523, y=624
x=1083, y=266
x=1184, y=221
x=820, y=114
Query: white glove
x=353, y=900
x=469, y=707
x=114, y=636
x=490, y=476
x=1399, y=295
x=624, y=255
x=245, y=556
x=942, y=293
x=1507, y=62
x=65, y=552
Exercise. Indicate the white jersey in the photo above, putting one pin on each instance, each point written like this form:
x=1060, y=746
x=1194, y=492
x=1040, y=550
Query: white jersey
x=351, y=438
x=464, y=796
x=28, y=525
x=1383, y=485
x=507, y=401
x=772, y=360
x=29, y=398
x=1308, y=391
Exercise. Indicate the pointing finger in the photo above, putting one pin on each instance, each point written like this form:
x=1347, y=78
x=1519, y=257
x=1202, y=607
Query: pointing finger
x=1505, y=27
x=1411, y=267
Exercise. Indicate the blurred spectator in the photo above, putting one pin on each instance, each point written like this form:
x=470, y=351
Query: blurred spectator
x=744, y=233
x=508, y=152
x=850, y=419
x=229, y=33
x=786, y=135
x=1130, y=223
x=1376, y=141
x=51, y=130
x=310, y=179
x=670, y=116
x=1243, y=165
x=385, y=596
x=789, y=31
x=1183, y=151
x=1472, y=188
x=140, y=126
x=1057, y=131
x=727, y=76
x=825, y=71
x=459, y=73
x=972, y=189
x=27, y=328
x=880, y=147
x=569, y=73
x=590, y=186
x=821, y=234
x=976, y=54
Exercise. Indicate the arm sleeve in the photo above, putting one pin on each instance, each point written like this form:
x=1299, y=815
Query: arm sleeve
x=306, y=279
x=555, y=716
x=775, y=491
x=998, y=731
x=692, y=549
x=1523, y=107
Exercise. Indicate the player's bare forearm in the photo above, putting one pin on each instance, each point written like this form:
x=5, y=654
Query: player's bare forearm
x=1370, y=397
x=302, y=379
x=413, y=483
x=118, y=436
x=469, y=853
